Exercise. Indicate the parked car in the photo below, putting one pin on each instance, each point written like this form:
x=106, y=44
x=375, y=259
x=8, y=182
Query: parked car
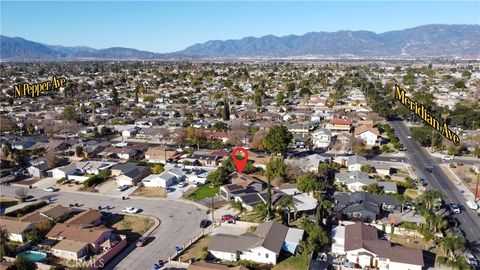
x=130, y=210
x=142, y=241
x=455, y=208
x=471, y=259
x=423, y=182
x=228, y=217
x=410, y=206
x=448, y=158
x=204, y=223
x=472, y=205
x=429, y=168
x=50, y=189
x=170, y=189
x=123, y=187
x=182, y=184
x=453, y=222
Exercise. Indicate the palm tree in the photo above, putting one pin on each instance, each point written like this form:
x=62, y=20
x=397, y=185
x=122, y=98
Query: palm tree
x=450, y=243
x=436, y=223
x=261, y=210
x=287, y=204
x=430, y=197
x=3, y=242
x=237, y=205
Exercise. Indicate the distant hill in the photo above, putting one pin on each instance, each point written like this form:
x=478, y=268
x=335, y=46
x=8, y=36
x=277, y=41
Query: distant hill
x=21, y=49
x=429, y=40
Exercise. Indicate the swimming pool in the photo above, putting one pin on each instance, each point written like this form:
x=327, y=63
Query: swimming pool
x=33, y=256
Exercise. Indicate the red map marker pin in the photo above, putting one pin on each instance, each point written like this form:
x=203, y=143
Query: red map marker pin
x=240, y=164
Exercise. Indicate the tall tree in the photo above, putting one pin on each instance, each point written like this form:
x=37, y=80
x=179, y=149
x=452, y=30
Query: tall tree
x=237, y=205
x=226, y=108
x=115, y=98
x=277, y=139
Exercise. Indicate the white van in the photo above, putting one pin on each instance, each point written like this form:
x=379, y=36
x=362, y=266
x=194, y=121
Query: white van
x=472, y=205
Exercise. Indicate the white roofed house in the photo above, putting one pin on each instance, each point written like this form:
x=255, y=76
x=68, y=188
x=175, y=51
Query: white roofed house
x=309, y=163
x=355, y=163
x=354, y=180
x=262, y=246
x=368, y=134
x=165, y=179
x=322, y=138
x=80, y=170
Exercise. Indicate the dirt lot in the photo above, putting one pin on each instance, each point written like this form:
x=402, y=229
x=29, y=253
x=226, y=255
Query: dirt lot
x=150, y=192
x=468, y=177
x=132, y=226
x=197, y=250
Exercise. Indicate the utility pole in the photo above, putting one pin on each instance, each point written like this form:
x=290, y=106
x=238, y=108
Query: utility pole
x=476, y=189
x=433, y=140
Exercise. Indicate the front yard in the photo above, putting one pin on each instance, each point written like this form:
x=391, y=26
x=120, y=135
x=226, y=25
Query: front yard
x=7, y=202
x=203, y=192
x=197, y=251
x=131, y=226
x=292, y=263
x=410, y=241
x=150, y=192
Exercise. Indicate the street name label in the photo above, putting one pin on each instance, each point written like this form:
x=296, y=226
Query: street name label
x=420, y=111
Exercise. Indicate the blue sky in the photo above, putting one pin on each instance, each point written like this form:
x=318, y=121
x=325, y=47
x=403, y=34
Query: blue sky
x=171, y=26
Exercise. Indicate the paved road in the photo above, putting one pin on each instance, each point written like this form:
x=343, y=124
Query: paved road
x=419, y=159
x=179, y=222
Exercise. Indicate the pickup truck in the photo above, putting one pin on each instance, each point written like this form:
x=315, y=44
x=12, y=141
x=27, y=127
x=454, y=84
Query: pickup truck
x=472, y=205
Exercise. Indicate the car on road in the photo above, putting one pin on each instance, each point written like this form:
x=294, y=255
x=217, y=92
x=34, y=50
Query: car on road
x=429, y=168
x=170, y=189
x=23, y=197
x=123, y=187
x=204, y=223
x=472, y=205
x=50, y=189
x=130, y=210
x=228, y=217
x=423, y=182
x=455, y=208
x=409, y=136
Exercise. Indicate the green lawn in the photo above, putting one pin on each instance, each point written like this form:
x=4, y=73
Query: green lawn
x=7, y=202
x=203, y=192
x=292, y=263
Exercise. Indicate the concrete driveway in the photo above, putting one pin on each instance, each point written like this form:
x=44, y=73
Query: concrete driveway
x=179, y=222
x=178, y=193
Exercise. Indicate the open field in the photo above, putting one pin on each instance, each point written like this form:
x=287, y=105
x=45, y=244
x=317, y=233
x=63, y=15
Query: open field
x=150, y=192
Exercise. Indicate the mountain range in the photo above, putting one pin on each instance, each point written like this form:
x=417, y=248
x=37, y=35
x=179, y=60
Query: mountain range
x=437, y=40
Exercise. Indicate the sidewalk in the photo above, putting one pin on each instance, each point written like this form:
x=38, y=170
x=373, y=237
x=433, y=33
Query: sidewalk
x=20, y=206
x=461, y=186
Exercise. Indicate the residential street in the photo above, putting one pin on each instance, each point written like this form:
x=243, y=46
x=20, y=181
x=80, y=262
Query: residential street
x=179, y=222
x=419, y=159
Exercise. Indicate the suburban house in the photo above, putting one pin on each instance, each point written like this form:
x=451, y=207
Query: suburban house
x=165, y=179
x=355, y=163
x=354, y=180
x=381, y=168
x=15, y=228
x=362, y=246
x=368, y=134
x=240, y=184
x=129, y=173
x=322, y=138
x=87, y=218
x=339, y=125
x=309, y=163
x=193, y=174
x=160, y=154
x=124, y=153
x=38, y=167
x=75, y=242
x=52, y=212
x=262, y=246
x=363, y=206
x=79, y=171
x=204, y=159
